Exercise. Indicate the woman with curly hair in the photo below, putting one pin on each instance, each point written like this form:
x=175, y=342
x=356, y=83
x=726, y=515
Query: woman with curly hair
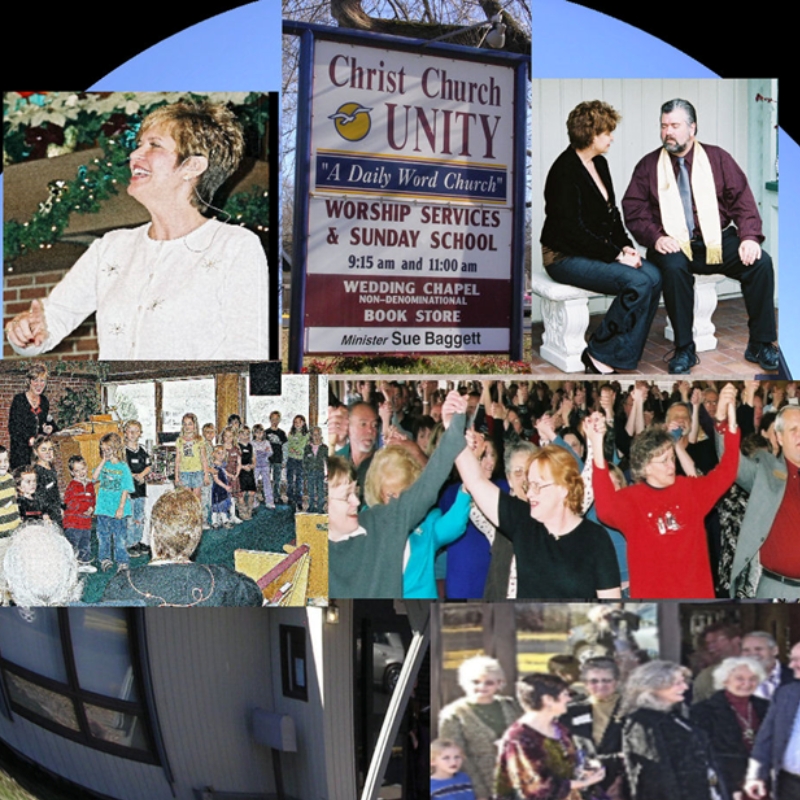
x=584, y=243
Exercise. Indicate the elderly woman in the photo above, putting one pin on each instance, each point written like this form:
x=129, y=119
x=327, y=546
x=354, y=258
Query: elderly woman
x=183, y=286
x=732, y=716
x=41, y=568
x=29, y=417
x=596, y=724
x=559, y=554
x=584, y=243
x=476, y=721
x=538, y=758
x=661, y=515
x=172, y=578
x=666, y=758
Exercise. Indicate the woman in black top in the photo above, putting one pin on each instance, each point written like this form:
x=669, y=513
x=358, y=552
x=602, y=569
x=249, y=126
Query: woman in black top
x=584, y=243
x=666, y=757
x=29, y=417
x=559, y=555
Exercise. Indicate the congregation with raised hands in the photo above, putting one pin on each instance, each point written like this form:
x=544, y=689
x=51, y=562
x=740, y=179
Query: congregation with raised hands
x=563, y=490
x=620, y=726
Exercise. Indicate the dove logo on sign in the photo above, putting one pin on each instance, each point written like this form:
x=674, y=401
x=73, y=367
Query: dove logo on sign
x=352, y=121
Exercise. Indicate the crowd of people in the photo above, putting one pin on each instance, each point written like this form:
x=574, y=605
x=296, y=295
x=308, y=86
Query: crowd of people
x=219, y=481
x=570, y=490
x=612, y=733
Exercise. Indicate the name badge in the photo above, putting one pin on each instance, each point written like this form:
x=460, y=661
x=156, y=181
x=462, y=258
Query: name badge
x=583, y=719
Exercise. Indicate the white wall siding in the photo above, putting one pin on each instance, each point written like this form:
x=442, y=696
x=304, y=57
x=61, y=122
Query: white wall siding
x=210, y=668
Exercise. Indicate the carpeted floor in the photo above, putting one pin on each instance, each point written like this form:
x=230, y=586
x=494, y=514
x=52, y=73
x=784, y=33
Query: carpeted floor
x=268, y=530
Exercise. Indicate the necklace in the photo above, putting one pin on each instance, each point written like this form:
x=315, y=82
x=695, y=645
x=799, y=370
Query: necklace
x=199, y=595
x=748, y=734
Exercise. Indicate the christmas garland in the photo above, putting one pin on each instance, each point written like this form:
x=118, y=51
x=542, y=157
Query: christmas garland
x=99, y=180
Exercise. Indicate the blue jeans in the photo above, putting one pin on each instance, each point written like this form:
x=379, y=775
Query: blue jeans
x=136, y=521
x=276, y=470
x=294, y=481
x=112, y=532
x=316, y=498
x=619, y=341
x=80, y=539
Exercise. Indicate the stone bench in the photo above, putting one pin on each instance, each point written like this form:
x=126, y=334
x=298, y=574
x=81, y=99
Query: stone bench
x=565, y=314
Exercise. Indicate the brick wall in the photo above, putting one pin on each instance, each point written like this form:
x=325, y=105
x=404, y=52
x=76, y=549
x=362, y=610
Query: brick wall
x=13, y=381
x=19, y=290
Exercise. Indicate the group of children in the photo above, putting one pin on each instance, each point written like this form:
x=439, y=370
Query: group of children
x=223, y=473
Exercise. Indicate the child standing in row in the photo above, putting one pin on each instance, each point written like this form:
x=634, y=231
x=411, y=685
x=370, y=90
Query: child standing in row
x=138, y=462
x=315, y=462
x=209, y=432
x=247, y=477
x=9, y=517
x=113, y=504
x=297, y=441
x=30, y=507
x=263, y=452
x=233, y=466
x=191, y=467
x=47, y=493
x=221, y=503
x=277, y=439
x=79, y=499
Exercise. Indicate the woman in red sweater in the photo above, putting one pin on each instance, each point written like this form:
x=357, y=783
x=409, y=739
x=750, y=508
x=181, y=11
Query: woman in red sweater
x=661, y=516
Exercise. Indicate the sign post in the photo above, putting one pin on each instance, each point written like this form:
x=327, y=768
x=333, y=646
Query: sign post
x=410, y=198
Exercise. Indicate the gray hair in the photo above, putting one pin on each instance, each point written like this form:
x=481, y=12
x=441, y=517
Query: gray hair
x=518, y=447
x=648, y=444
x=600, y=663
x=477, y=666
x=685, y=105
x=768, y=637
x=724, y=669
x=779, y=425
x=645, y=681
x=41, y=567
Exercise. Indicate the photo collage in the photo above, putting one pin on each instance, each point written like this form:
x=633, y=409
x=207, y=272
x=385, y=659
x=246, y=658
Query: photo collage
x=443, y=390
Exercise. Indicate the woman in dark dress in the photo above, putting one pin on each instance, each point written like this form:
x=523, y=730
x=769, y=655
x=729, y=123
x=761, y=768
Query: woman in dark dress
x=29, y=417
x=584, y=243
x=732, y=716
x=666, y=757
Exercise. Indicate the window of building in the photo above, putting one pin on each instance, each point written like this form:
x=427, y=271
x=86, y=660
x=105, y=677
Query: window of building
x=74, y=671
x=293, y=662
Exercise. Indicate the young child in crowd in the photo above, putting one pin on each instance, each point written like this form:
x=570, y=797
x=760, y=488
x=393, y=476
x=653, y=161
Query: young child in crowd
x=27, y=501
x=315, y=461
x=297, y=441
x=79, y=499
x=209, y=432
x=46, y=478
x=138, y=462
x=277, y=439
x=113, y=504
x=221, y=504
x=263, y=452
x=9, y=516
x=191, y=467
x=233, y=466
x=447, y=780
x=247, y=476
